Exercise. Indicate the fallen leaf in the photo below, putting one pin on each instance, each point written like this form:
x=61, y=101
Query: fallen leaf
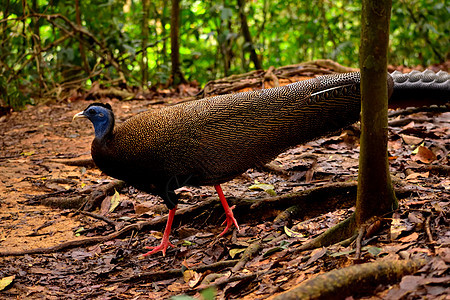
x=291, y=233
x=175, y=287
x=190, y=275
x=417, y=149
x=268, y=188
x=412, y=237
x=115, y=201
x=316, y=254
x=410, y=283
x=374, y=251
x=6, y=281
x=416, y=175
x=235, y=251
x=397, y=227
x=411, y=140
x=424, y=155
x=27, y=153
x=141, y=208
x=209, y=293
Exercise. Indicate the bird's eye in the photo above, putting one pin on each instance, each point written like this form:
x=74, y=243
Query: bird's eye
x=101, y=115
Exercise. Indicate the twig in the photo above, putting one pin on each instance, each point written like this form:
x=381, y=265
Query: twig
x=46, y=224
x=100, y=217
x=359, y=238
x=428, y=230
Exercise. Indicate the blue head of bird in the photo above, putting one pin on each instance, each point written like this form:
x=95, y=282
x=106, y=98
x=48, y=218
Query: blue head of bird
x=101, y=117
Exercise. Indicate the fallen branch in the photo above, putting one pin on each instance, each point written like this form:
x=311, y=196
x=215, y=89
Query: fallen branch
x=224, y=281
x=352, y=281
x=251, y=250
x=330, y=196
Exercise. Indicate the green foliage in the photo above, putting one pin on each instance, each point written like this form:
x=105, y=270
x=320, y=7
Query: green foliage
x=206, y=294
x=43, y=56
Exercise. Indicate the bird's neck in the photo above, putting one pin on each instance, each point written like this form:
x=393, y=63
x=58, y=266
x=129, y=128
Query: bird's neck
x=104, y=128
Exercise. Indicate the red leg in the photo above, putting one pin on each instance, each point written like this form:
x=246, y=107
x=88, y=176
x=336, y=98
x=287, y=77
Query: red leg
x=228, y=211
x=165, y=240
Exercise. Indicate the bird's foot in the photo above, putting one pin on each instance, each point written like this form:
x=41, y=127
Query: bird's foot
x=165, y=240
x=230, y=220
x=162, y=247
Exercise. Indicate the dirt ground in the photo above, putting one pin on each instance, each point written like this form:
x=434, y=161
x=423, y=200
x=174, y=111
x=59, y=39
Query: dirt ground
x=35, y=142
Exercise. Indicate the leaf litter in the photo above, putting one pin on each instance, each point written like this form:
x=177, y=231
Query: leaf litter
x=419, y=155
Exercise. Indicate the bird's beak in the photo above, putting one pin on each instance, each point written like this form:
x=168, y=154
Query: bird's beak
x=79, y=115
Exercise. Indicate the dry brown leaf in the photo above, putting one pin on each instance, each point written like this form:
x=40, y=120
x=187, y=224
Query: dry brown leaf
x=397, y=227
x=176, y=287
x=191, y=277
x=411, y=140
x=141, y=208
x=424, y=155
x=412, y=237
x=416, y=175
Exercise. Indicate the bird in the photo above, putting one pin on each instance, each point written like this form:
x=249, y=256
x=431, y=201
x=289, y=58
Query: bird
x=212, y=140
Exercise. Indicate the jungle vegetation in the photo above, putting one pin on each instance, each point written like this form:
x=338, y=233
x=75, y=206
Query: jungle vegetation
x=48, y=46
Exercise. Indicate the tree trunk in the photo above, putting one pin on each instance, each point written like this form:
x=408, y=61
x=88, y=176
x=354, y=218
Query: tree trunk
x=177, y=76
x=36, y=42
x=163, y=33
x=247, y=35
x=144, y=62
x=375, y=193
x=82, y=52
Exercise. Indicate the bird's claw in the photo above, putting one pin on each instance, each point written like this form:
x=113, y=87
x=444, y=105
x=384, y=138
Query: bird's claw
x=162, y=247
x=230, y=220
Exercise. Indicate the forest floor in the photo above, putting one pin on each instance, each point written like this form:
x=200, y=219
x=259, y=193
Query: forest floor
x=36, y=142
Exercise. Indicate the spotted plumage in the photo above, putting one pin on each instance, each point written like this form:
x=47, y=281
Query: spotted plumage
x=210, y=141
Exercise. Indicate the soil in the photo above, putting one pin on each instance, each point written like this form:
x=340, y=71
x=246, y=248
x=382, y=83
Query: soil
x=34, y=143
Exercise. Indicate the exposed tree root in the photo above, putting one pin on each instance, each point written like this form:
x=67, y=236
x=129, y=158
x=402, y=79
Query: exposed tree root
x=87, y=199
x=251, y=250
x=353, y=280
x=309, y=203
x=96, y=197
x=110, y=92
x=88, y=163
x=311, y=195
x=342, y=231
